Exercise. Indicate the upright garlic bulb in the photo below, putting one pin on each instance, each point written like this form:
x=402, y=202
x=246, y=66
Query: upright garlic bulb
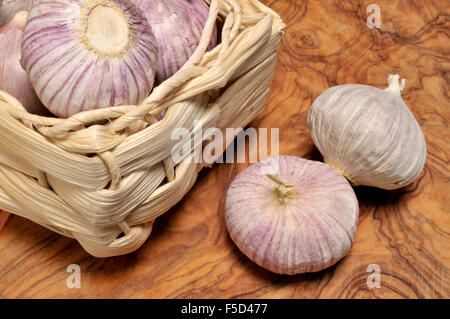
x=13, y=79
x=302, y=218
x=368, y=134
x=88, y=54
x=8, y=8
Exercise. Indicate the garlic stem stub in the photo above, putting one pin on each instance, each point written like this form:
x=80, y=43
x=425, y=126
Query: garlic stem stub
x=368, y=134
x=300, y=218
x=89, y=54
x=13, y=78
x=178, y=26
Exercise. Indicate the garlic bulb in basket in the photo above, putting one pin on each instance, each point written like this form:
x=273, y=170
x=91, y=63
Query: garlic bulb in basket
x=178, y=26
x=88, y=54
x=13, y=79
x=8, y=8
x=368, y=134
x=302, y=218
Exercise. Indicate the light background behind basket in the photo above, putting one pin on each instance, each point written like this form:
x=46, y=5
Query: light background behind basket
x=103, y=176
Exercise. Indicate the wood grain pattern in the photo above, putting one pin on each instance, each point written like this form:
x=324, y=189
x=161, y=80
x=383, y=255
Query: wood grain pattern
x=190, y=255
x=3, y=218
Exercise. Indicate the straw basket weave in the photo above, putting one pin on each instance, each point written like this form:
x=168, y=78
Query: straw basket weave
x=103, y=176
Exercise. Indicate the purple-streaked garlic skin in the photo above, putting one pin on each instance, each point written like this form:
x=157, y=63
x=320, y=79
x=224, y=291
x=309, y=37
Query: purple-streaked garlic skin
x=178, y=27
x=77, y=60
x=13, y=78
x=368, y=134
x=8, y=8
x=310, y=231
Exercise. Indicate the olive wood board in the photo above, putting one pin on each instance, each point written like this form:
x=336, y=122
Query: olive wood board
x=402, y=233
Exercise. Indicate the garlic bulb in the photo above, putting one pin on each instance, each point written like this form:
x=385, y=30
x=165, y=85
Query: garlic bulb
x=88, y=54
x=8, y=8
x=368, y=134
x=302, y=218
x=178, y=26
x=13, y=79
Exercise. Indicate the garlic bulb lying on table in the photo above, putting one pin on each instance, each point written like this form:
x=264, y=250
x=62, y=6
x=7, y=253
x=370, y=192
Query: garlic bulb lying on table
x=13, y=79
x=368, y=134
x=8, y=8
x=88, y=54
x=302, y=218
x=178, y=26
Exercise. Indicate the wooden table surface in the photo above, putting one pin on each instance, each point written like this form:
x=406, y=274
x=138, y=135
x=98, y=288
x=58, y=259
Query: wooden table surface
x=190, y=255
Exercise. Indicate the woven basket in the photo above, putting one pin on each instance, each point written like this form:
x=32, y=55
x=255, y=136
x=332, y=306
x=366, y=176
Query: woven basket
x=103, y=176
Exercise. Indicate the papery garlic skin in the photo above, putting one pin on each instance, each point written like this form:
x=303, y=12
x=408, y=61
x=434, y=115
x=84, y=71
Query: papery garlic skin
x=89, y=54
x=8, y=8
x=309, y=228
x=13, y=78
x=178, y=26
x=368, y=134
